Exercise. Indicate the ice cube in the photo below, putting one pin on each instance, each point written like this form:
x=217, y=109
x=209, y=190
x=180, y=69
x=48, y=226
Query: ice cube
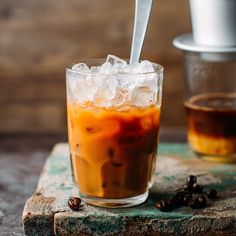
x=94, y=69
x=120, y=98
x=145, y=67
x=116, y=60
x=80, y=67
x=143, y=97
x=116, y=68
x=127, y=81
x=106, y=91
x=131, y=68
x=71, y=78
x=144, y=92
x=84, y=90
x=105, y=68
x=150, y=81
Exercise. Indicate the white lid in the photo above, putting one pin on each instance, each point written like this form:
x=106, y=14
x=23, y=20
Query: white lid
x=185, y=42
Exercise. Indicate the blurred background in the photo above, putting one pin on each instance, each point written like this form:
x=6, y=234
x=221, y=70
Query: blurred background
x=39, y=38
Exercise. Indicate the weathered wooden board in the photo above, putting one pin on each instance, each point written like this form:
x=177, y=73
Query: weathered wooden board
x=47, y=213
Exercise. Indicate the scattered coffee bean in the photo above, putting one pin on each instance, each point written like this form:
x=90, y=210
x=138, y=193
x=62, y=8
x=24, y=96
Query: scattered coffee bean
x=165, y=205
x=188, y=187
x=193, y=203
x=104, y=185
x=202, y=200
x=197, y=188
x=74, y=203
x=212, y=194
x=191, y=194
x=198, y=202
x=186, y=199
x=191, y=179
x=179, y=197
x=160, y=205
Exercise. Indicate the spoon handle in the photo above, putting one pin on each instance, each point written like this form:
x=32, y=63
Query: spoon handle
x=142, y=13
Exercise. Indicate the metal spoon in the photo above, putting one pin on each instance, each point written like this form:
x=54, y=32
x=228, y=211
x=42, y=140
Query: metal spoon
x=142, y=13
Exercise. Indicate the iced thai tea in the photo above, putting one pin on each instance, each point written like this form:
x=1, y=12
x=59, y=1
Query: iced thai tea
x=113, y=153
x=113, y=135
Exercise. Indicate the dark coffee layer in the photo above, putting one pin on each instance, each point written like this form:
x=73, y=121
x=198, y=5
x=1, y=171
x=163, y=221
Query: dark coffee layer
x=212, y=114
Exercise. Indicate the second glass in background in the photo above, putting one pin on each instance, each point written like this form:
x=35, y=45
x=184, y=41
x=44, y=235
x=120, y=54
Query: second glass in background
x=210, y=103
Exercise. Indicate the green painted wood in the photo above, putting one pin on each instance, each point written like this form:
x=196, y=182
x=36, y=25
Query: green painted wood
x=47, y=213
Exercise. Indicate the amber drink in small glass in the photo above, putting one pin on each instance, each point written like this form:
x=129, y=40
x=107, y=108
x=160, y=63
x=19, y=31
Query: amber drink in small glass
x=210, y=104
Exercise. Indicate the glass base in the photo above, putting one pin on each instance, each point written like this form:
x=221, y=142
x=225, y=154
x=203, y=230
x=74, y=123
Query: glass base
x=114, y=203
x=218, y=158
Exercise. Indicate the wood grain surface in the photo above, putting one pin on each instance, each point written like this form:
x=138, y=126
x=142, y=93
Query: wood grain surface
x=38, y=38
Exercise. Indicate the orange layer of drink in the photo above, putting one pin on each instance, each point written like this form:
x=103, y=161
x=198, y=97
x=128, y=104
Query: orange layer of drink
x=113, y=153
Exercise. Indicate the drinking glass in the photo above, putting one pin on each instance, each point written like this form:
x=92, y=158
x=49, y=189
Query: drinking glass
x=113, y=126
x=210, y=102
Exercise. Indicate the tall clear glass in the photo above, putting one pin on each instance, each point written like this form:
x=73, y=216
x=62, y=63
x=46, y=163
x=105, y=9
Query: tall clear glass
x=113, y=126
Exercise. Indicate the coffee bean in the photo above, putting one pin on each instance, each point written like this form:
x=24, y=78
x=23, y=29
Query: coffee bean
x=191, y=179
x=179, y=197
x=104, y=185
x=161, y=205
x=74, y=203
x=212, y=194
x=198, y=202
x=197, y=188
x=186, y=199
x=165, y=205
x=188, y=187
x=202, y=200
x=193, y=203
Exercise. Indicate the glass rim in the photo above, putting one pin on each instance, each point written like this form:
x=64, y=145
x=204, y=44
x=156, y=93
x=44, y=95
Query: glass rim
x=158, y=68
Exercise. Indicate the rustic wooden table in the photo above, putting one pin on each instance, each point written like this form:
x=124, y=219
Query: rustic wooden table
x=21, y=161
x=47, y=212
